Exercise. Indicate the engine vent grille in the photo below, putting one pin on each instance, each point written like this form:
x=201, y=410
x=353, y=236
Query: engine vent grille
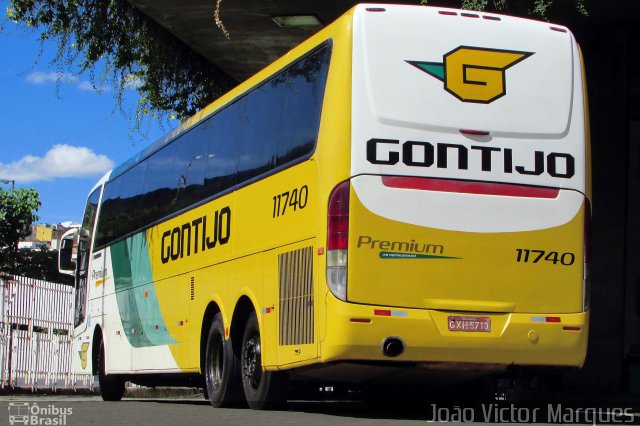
x=295, y=269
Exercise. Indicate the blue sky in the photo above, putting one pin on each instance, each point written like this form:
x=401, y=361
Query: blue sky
x=59, y=137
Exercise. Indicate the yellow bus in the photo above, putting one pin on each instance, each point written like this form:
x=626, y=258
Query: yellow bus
x=403, y=196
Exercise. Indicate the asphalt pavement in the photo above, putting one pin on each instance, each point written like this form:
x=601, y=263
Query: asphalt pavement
x=192, y=409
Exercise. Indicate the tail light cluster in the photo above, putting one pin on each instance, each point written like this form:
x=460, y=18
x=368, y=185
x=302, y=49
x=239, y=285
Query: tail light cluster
x=338, y=240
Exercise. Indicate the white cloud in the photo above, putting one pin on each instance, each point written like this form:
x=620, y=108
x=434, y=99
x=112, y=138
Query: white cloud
x=88, y=86
x=61, y=161
x=39, y=77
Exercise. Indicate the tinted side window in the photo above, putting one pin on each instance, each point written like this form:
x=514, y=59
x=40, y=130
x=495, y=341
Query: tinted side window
x=132, y=211
x=161, y=184
x=90, y=214
x=191, y=164
x=303, y=85
x=107, y=225
x=260, y=121
x=280, y=119
x=222, y=153
x=273, y=125
x=82, y=260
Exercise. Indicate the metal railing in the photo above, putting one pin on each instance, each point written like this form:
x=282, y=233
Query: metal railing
x=36, y=334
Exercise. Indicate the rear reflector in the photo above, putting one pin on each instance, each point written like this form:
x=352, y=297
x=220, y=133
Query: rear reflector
x=571, y=328
x=469, y=187
x=546, y=319
x=390, y=313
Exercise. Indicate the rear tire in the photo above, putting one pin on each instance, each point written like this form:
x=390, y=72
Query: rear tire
x=111, y=387
x=222, y=368
x=264, y=390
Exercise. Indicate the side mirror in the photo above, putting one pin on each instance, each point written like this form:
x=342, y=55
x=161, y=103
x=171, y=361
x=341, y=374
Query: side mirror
x=66, y=264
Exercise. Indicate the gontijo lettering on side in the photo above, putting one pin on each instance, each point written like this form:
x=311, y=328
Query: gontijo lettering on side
x=195, y=235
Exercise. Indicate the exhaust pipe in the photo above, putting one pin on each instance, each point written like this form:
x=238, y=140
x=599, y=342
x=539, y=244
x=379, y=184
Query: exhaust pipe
x=392, y=346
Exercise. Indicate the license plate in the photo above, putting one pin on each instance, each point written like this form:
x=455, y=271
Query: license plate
x=470, y=324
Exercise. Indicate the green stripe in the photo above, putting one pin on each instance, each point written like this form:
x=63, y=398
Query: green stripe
x=132, y=278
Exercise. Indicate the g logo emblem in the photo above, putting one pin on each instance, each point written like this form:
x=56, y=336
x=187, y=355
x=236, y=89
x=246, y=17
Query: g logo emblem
x=473, y=74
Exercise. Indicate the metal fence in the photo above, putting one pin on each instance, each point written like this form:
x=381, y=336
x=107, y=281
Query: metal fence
x=36, y=331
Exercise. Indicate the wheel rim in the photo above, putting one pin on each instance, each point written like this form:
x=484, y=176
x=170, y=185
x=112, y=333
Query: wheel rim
x=251, y=362
x=216, y=365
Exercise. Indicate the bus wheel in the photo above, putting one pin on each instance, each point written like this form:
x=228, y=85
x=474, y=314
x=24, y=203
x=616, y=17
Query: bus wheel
x=264, y=390
x=222, y=368
x=111, y=387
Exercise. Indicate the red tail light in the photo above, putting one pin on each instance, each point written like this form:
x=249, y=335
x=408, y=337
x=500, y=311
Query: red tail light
x=469, y=187
x=338, y=220
x=338, y=240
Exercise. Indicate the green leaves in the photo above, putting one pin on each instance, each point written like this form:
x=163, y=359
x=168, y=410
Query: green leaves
x=18, y=210
x=538, y=9
x=121, y=47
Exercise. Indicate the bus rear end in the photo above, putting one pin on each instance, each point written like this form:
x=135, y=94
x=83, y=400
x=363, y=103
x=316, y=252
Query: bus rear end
x=460, y=238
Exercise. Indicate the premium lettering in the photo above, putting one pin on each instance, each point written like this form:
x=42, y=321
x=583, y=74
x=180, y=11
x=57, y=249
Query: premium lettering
x=404, y=246
x=199, y=235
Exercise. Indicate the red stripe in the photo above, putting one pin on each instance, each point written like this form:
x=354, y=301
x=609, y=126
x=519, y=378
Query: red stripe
x=553, y=319
x=469, y=187
x=382, y=312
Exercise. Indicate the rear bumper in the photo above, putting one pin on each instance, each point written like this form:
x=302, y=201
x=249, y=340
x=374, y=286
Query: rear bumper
x=514, y=339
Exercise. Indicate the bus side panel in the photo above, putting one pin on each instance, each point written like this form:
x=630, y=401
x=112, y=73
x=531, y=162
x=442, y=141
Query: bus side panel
x=219, y=247
x=179, y=249
x=278, y=216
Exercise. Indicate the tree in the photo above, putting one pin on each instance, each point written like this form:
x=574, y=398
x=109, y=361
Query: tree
x=42, y=264
x=132, y=50
x=18, y=210
x=538, y=9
